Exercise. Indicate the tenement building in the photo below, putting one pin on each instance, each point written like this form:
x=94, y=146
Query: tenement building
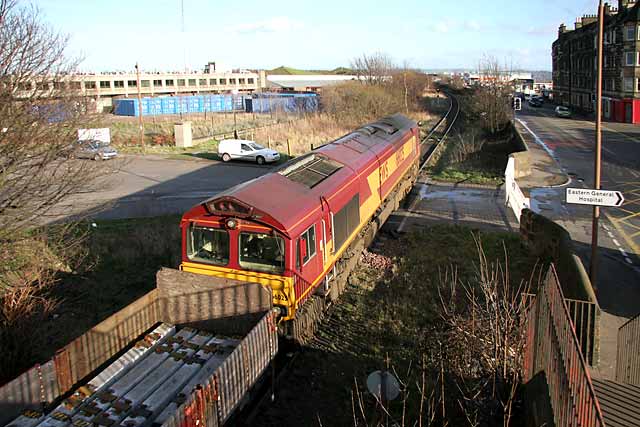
x=574, y=63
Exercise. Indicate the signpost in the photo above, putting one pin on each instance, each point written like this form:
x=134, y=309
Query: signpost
x=592, y=197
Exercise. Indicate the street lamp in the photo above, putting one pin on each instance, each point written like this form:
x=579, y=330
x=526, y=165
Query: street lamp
x=140, y=107
x=234, y=92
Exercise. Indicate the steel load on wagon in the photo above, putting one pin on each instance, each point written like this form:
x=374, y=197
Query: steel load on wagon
x=166, y=372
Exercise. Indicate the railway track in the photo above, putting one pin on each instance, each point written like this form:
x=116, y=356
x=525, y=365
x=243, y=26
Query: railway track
x=433, y=143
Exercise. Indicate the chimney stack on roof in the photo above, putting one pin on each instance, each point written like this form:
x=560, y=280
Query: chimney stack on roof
x=562, y=29
x=625, y=4
x=578, y=23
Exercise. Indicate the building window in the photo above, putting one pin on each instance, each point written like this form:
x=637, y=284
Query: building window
x=118, y=83
x=145, y=83
x=630, y=33
x=89, y=85
x=250, y=81
x=212, y=82
x=169, y=82
x=192, y=82
x=77, y=86
x=203, y=82
x=612, y=86
x=180, y=82
x=630, y=58
x=232, y=81
x=132, y=83
x=241, y=81
x=157, y=83
x=223, y=81
x=105, y=84
x=628, y=84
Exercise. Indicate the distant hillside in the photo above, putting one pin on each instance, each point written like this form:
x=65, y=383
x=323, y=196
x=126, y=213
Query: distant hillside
x=542, y=76
x=294, y=71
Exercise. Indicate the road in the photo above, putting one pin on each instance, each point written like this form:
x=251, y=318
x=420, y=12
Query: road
x=572, y=142
x=140, y=186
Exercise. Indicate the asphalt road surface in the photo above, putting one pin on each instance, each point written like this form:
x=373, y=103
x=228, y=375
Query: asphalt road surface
x=573, y=141
x=142, y=186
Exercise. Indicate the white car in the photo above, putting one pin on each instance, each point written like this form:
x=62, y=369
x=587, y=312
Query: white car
x=242, y=149
x=562, y=111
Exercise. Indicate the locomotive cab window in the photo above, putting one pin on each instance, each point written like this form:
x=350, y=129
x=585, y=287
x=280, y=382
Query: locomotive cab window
x=261, y=252
x=208, y=245
x=306, y=246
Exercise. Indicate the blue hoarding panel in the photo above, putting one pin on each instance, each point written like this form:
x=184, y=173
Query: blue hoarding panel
x=264, y=103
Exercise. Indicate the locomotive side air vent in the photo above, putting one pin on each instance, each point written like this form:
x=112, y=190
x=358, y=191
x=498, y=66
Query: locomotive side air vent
x=311, y=171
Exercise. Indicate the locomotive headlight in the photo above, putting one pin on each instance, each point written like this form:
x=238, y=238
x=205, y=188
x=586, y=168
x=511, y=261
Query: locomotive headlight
x=232, y=223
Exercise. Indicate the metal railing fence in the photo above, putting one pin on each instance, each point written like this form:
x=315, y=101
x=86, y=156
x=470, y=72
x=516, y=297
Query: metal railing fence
x=553, y=348
x=628, y=358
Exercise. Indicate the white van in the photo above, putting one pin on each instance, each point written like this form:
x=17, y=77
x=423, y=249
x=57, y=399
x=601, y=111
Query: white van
x=243, y=149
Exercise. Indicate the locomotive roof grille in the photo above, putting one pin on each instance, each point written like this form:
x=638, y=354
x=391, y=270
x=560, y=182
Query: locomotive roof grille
x=311, y=171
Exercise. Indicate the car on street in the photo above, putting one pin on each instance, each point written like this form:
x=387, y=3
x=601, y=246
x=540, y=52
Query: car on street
x=94, y=149
x=242, y=149
x=563, y=111
x=535, y=102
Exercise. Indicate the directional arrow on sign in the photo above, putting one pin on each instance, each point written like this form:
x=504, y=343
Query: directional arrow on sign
x=585, y=196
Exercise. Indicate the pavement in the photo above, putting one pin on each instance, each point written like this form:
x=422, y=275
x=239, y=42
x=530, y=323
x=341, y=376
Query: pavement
x=140, y=186
x=557, y=162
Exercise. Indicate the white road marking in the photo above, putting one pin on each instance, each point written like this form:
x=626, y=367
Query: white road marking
x=538, y=140
x=615, y=241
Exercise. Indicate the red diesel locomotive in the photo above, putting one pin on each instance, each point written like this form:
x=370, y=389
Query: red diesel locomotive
x=288, y=228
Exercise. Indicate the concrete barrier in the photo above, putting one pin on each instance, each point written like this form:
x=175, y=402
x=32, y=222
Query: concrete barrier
x=514, y=197
x=521, y=155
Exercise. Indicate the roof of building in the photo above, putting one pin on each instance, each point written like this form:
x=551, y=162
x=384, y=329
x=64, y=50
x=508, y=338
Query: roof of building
x=307, y=80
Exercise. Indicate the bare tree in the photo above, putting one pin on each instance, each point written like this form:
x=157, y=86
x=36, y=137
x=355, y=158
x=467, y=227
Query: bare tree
x=40, y=112
x=373, y=69
x=484, y=335
x=491, y=100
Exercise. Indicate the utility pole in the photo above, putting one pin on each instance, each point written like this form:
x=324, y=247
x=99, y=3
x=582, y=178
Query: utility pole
x=140, y=107
x=593, y=270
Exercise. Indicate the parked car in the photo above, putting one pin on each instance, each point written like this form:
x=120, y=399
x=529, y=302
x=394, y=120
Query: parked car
x=242, y=149
x=94, y=149
x=535, y=102
x=562, y=111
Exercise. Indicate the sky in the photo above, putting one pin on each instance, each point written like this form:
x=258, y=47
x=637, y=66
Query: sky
x=112, y=35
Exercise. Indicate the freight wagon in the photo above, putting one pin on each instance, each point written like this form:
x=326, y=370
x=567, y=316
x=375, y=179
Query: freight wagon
x=186, y=353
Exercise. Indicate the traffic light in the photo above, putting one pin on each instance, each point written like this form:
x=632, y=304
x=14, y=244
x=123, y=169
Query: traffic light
x=517, y=103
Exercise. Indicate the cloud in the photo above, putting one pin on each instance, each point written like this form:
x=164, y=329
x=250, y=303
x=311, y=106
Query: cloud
x=472, y=26
x=273, y=25
x=442, y=27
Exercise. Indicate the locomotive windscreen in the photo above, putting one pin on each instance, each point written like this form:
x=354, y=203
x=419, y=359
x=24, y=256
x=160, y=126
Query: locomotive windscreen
x=261, y=252
x=208, y=245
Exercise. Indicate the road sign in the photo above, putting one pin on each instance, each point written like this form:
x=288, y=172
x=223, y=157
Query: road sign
x=585, y=196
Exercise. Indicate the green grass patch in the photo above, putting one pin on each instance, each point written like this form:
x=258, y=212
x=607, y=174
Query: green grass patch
x=453, y=174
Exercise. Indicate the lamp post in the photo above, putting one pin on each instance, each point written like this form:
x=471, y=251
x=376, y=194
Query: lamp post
x=141, y=123
x=593, y=269
x=234, y=92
